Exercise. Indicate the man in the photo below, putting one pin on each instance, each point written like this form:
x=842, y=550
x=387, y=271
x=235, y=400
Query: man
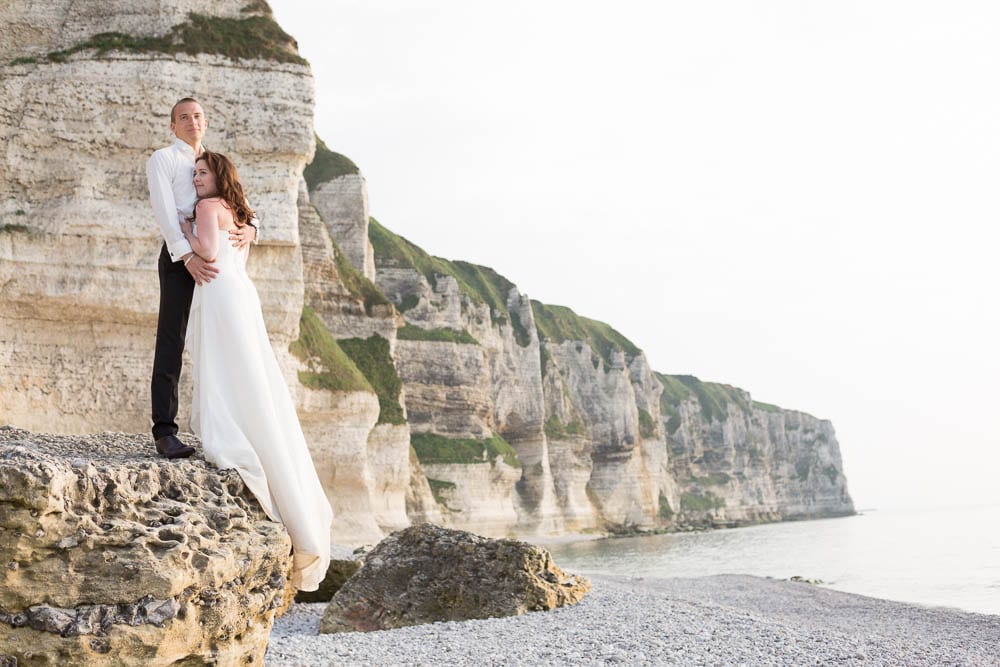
x=170, y=173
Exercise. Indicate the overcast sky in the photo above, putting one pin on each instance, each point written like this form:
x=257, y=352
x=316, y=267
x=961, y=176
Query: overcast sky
x=798, y=198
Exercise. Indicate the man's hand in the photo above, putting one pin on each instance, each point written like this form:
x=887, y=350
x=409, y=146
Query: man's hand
x=242, y=236
x=202, y=271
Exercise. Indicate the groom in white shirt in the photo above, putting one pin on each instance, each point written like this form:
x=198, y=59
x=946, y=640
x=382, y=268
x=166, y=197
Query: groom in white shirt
x=170, y=172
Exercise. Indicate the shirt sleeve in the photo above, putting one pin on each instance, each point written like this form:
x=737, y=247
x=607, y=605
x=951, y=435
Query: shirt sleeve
x=256, y=225
x=161, y=196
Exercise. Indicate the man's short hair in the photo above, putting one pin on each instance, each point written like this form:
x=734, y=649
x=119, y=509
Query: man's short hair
x=173, y=110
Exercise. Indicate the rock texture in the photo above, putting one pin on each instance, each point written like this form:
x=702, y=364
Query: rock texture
x=604, y=443
x=427, y=573
x=78, y=243
x=112, y=555
x=752, y=463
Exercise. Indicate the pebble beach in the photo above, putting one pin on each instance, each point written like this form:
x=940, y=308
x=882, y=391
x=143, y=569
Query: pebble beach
x=717, y=620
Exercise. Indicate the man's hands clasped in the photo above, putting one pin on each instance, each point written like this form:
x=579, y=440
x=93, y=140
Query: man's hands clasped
x=202, y=271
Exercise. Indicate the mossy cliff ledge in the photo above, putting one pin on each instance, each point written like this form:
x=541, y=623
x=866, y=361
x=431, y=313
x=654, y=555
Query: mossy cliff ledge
x=113, y=555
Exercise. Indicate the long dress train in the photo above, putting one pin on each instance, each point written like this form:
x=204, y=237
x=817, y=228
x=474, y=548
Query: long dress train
x=244, y=414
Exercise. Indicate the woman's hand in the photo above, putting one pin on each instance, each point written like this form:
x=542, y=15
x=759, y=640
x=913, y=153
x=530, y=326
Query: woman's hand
x=187, y=228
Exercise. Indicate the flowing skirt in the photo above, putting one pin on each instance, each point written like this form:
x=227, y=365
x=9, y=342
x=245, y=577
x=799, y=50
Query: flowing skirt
x=244, y=414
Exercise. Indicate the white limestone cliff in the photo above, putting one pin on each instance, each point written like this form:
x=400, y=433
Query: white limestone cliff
x=530, y=419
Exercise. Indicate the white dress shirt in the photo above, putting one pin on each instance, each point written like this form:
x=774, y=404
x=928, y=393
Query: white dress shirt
x=170, y=172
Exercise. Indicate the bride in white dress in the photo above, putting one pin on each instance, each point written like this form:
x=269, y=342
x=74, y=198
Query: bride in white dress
x=242, y=410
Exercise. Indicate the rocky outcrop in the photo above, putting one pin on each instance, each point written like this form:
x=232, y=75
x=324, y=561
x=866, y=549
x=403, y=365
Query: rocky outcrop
x=78, y=244
x=113, y=555
x=736, y=461
x=427, y=573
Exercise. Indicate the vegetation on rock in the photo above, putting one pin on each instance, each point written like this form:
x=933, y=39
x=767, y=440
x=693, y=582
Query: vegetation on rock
x=713, y=479
x=647, y=428
x=554, y=428
x=432, y=448
x=713, y=397
x=11, y=228
x=413, y=332
x=253, y=37
x=438, y=487
x=356, y=282
x=371, y=356
x=481, y=284
x=701, y=502
x=558, y=323
x=327, y=165
x=666, y=512
x=329, y=367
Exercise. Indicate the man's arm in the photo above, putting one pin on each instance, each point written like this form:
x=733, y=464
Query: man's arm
x=241, y=237
x=161, y=196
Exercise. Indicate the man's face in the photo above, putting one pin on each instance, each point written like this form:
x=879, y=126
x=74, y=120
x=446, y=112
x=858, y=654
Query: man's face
x=189, y=123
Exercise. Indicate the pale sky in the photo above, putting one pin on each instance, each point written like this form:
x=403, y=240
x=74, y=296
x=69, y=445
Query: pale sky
x=798, y=198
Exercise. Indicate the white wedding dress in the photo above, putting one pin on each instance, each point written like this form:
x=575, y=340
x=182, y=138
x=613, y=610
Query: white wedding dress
x=244, y=414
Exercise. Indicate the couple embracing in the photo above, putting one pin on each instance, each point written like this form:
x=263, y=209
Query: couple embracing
x=242, y=410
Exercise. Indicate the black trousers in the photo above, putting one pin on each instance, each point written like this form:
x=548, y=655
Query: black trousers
x=176, y=289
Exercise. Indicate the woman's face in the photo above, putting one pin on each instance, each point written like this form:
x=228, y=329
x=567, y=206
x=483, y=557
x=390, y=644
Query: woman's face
x=204, y=179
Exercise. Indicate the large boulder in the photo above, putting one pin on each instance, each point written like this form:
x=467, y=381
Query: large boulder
x=112, y=555
x=426, y=573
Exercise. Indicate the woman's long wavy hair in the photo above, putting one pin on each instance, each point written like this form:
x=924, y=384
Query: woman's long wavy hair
x=228, y=186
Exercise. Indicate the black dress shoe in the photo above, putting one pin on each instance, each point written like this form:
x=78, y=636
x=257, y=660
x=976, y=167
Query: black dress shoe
x=172, y=448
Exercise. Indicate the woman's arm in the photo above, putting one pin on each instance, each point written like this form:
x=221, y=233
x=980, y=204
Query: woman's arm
x=206, y=244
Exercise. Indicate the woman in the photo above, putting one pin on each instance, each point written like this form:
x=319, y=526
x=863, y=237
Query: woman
x=242, y=410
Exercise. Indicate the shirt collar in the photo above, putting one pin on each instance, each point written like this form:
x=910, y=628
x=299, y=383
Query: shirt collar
x=182, y=145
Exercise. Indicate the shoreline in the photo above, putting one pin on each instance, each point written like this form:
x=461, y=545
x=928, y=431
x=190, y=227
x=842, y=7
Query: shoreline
x=720, y=619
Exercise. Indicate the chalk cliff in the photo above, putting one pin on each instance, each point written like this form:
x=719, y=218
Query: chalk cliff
x=428, y=389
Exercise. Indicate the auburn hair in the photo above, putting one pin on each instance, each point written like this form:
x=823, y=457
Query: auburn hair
x=227, y=186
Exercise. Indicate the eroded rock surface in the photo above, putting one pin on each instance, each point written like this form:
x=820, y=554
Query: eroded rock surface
x=113, y=555
x=427, y=573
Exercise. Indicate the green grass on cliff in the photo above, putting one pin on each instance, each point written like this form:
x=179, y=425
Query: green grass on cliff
x=555, y=429
x=413, y=332
x=647, y=429
x=481, y=284
x=371, y=356
x=246, y=38
x=714, y=398
x=701, y=502
x=432, y=448
x=356, y=282
x=558, y=323
x=439, y=488
x=326, y=166
x=329, y=367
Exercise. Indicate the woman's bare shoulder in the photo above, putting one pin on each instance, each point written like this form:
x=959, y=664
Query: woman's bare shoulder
x=210, y=205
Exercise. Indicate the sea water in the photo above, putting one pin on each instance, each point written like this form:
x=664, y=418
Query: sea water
x=940, y=557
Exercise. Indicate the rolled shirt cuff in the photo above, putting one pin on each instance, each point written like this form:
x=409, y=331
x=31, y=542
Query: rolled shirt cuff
x=178, y=249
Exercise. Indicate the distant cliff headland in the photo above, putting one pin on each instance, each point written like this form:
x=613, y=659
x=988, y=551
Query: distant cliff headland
x=429, y=389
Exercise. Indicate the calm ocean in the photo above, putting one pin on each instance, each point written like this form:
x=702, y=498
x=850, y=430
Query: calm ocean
x=943, y=557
